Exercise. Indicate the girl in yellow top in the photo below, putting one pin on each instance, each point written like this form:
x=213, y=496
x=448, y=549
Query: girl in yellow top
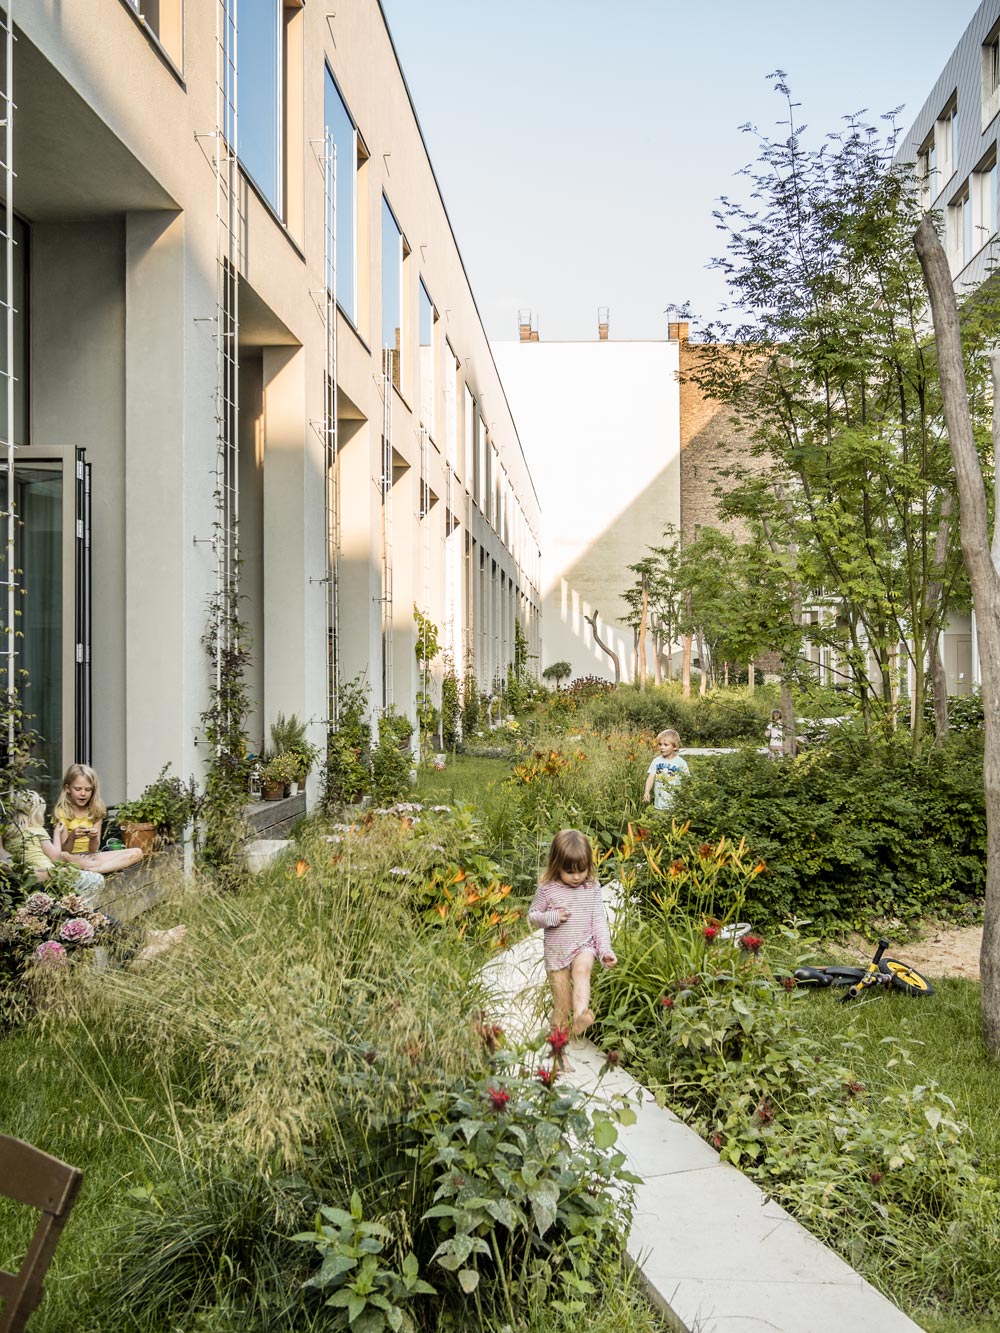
x=78, y=816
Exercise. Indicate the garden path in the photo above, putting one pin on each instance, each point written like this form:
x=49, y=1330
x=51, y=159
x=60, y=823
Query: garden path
x=715, y=1253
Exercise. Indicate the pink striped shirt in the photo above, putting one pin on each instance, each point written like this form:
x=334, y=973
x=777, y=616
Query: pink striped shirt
x=586, y=928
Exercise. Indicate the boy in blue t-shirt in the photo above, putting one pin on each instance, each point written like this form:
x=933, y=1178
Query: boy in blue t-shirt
x=665, y=771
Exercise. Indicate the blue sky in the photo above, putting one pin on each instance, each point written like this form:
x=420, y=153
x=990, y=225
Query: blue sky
x=580, y=146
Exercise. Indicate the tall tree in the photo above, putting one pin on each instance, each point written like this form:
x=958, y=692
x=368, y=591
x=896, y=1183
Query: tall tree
x=830, y=374
x=982, y=559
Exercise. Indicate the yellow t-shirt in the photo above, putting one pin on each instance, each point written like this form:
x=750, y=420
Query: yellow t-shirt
x=81, y=841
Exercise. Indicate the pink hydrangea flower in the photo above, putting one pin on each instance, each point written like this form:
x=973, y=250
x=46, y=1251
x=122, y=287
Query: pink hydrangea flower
x=76, y=931
x=51, y=953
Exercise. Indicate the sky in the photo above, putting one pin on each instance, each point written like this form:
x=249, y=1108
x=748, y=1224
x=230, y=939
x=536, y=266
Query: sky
x=580, y=146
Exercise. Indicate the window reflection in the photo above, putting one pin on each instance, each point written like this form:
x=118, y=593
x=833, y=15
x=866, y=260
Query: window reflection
x=392, y=294
x=258, y=82
x=341, y=129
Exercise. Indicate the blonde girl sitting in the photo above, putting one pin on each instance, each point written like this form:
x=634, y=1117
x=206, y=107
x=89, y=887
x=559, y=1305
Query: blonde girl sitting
x=78, y=816
x=28, y=841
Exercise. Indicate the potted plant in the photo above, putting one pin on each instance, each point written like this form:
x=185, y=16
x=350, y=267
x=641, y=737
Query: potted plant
x=288, y=736
x=397, y=725
x=162, y=811
x=278, y=773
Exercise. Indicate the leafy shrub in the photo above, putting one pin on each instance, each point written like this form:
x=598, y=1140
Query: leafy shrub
x=168, y=802
x=887, y=1175
x=390, y=767
x=346, y=770
x=470, y=705
x=854, y=831
x=450, y=710
x=719, y=718
x=526, y=1186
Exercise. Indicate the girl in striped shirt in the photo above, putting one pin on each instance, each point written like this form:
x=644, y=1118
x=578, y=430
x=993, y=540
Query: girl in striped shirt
x=569, y=908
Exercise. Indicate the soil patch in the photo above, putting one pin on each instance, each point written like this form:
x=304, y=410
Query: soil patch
x=946, y=952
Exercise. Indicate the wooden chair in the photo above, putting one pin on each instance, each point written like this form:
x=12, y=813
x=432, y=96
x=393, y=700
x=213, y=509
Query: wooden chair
x=37, y=1180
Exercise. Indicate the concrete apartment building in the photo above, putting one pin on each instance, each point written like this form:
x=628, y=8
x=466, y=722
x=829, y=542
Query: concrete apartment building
x=280, y=343
x=953, y=142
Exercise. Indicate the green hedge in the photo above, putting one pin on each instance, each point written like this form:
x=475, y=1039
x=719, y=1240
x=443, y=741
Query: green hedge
x=720, y=718
x=851, y=832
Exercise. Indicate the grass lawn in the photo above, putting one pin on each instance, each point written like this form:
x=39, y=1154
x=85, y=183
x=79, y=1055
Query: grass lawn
x=463, y=781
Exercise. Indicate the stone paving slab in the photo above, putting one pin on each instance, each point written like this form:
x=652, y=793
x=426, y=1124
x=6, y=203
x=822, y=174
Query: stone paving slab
x=717, y=1255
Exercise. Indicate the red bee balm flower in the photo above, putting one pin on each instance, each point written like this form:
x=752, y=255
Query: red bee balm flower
x=558, y=1038
x=667, y=1001
x=752, y=943
x=710, y=932
x=499, y=1097
x=547, y=1076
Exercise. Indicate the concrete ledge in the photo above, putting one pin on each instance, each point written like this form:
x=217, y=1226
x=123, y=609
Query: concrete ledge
x=716, y=1255
x=129, y=893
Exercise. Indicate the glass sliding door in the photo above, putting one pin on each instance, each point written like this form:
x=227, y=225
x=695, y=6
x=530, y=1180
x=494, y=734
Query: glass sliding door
x=52, y=553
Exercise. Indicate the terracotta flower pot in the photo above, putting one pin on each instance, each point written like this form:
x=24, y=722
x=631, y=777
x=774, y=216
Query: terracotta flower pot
x=273, y=791
x=141, y=836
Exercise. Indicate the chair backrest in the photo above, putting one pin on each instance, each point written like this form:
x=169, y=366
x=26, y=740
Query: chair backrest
x=33, y=1178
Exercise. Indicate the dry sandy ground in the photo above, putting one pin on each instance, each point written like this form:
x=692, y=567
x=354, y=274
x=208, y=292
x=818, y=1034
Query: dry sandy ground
x=946, y=952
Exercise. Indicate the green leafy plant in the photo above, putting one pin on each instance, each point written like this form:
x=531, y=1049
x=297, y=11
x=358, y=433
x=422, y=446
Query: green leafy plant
x=525, y=1176
x=368, y=1295
x=347, y=764
x=450, y=710
x=390, y=764
x=168, y=803
x=226, y=641
x=281, y=770
x=288, y=736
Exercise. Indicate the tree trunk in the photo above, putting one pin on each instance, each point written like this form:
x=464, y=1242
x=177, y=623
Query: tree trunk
x=686, y=667
x=983, y=565
x=751, y=677
x=643, y=616
x=657, y=660
x=703, y=676
x=592, y=622
x=939, y=682
x=787, y=717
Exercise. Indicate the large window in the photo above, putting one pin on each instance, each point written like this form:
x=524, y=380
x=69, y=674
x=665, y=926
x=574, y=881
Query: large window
x=927, y=171
x=991, y=76
x=960, y=230
x=426, y=319
x=342, y=131
x=984, y=200
x=260, y=99
x=163, y=17
x=947, y=140
x=392, y=295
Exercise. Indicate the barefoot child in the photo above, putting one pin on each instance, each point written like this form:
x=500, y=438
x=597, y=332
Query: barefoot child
x=78, y=816
x=569, y=908
x=30, y=845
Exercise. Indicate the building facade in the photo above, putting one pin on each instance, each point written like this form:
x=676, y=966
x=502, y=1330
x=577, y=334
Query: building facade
x=605, y=450
x=246, y=362
x=953, y=143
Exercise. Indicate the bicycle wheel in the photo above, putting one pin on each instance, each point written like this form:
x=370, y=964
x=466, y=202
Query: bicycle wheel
x=812, y=976
x=904, y=978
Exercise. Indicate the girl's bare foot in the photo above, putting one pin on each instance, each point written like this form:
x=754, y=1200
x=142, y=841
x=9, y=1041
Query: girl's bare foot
x=159, y=941
x=582, y=1021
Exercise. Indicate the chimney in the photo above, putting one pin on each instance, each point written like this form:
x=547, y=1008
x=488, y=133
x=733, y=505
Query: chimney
x=603, y=323
x=526, y=331
x=678, y=333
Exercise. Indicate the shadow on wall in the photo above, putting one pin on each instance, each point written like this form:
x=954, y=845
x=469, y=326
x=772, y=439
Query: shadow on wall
x=598, y=577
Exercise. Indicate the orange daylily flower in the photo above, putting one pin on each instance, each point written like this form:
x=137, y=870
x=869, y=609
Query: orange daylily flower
x=301, y=866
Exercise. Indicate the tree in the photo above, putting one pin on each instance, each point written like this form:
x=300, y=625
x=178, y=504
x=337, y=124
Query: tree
x=830, y=375
x=982, y=560
x=557, y=671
